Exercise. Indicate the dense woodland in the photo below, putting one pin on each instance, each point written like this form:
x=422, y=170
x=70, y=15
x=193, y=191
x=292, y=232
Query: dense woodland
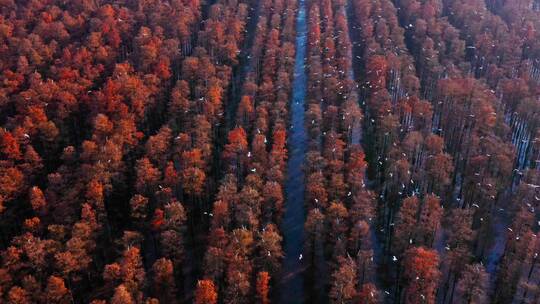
x=144, y=151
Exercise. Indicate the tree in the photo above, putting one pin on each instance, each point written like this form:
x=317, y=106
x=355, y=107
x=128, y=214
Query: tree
x=179, y=104
x=429, y=221
x=459, y=243
x=263, y=279
x=57, y=291
x=122, y=296
x=193, y=177
x=246, y=112
x=337, y=218
x=170, y=176
x=368, y=294
x=132, y=273
x=158, y=145
x=278, y=154
x=37, y=200
x=164, y=285
x=18, y=295
x=439, y=165
x=421, y=275
x=147, y=176
x=344, y=279
x=269, y=247
x=406, y=219
x=273, y=201
x=472, y=285
x=11, y=182
x=356, y=166
x=360, y=243
x=205, y=292
x=172, y=235
x=376, y=69
x=315, y=230
x=235, y=152
x=9, y=146
x=519, y=241
x=157, y=220
x=139, y=205
x=238, y=281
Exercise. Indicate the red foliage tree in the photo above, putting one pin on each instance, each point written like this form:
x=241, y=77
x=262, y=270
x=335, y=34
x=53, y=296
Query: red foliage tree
x=421, y=275
x=235, y=152
x=164, y=285
x=57, y=291
x=206, y=292
x=263, y=279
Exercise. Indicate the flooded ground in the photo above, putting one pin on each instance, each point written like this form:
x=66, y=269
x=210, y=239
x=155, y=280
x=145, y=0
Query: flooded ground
x=292, y=282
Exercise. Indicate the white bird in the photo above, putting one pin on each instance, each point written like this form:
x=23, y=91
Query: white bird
x=394, y=258
x=300, y=257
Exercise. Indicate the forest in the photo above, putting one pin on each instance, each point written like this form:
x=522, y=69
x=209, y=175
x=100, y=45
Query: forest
x=270, y=151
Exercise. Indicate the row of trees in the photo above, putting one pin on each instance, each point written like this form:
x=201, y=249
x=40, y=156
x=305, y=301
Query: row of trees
x=407, y=160
x=69, y=79
x=179, y=160
x=445, y=150
x=149, y=84
x=340, y=209
x=244, y=253
x=505, y=57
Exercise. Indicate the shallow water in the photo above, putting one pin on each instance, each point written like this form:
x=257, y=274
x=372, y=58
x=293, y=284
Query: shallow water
x=291, y=288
